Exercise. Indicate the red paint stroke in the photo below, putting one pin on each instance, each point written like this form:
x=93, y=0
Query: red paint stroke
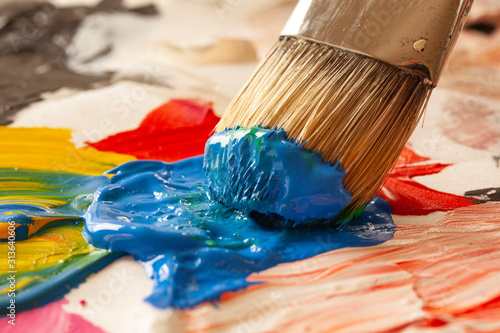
x=48, y=319
x=408, y=156
x=487, y=311
x=176, y=130
x=407, y=197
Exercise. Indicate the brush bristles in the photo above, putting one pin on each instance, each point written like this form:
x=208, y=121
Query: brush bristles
x=349, y=108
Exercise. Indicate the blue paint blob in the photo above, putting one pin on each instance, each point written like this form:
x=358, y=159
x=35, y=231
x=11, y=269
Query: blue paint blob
x=194, y=248
x=257, y=169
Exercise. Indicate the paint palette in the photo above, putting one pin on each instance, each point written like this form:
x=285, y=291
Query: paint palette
x=105, y=108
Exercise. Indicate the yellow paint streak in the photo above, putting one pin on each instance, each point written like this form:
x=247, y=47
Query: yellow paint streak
x=40, y=202
x=51, y=149
x=19, y=186
x=47, y=248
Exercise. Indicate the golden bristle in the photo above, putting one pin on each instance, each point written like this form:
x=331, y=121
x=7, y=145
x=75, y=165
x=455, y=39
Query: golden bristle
x=353, y=109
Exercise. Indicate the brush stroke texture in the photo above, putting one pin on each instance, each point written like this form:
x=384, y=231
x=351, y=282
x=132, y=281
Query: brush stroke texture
x=46, y=204
x=442, y=277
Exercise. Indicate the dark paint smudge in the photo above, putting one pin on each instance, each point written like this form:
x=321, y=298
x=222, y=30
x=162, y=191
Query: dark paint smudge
x=33, y=38
x=485, y=194
x=496, y=158
x=486, y=28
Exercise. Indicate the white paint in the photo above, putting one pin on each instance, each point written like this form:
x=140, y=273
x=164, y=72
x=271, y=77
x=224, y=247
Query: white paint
x=95, y=114
x=430, y=219
x=114, y=300
x=464, y=176
x=428, y=140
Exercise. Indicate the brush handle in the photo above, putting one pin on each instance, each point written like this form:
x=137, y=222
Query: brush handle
x=414, y=34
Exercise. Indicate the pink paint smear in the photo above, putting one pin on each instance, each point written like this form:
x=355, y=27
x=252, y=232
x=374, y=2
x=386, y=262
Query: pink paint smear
x=49, y=319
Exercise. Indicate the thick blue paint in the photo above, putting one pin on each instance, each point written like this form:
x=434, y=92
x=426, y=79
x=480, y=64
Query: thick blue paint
x=257, y=169
x=194, y=248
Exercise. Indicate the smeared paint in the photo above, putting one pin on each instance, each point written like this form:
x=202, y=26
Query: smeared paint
x=51, y=150
x=260, y=170
x=48, y=319
x=320, y=298
x=46, y=205
x=33, y=38
x=196, y=249
x=231, y=245
x=407, y=197
x=485, y=194
x=176, y=130
x=34, y=198
x=496, y=158
x=443, y=273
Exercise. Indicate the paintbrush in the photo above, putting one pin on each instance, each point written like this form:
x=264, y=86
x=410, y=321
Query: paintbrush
x=350, y=80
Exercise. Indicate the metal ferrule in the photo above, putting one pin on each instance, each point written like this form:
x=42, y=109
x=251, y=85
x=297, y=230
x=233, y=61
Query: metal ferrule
x=416, y=35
